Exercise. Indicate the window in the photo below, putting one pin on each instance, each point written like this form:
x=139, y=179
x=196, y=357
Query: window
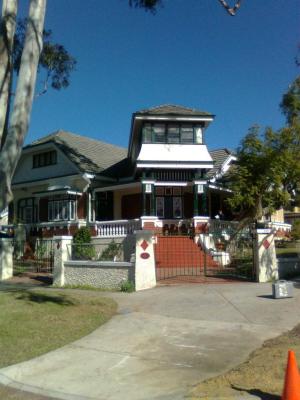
x=187, y=134
x=44, y=159
x=59, y=210
x=160, y=207
x=26, y=210
x=173, y=134
x=159, y=133
x=147, y=133
x=198, y=134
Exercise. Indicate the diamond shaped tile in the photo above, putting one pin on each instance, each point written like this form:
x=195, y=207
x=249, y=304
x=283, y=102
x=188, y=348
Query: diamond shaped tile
x=144, y=245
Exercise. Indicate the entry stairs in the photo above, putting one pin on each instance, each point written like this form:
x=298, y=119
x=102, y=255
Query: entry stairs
x=180, y=255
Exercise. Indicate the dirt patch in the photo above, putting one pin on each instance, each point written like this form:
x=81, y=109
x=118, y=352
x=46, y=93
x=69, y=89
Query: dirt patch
x=261, y=375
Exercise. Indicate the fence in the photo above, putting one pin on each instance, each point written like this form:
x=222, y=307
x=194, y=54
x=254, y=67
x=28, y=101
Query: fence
x=232, y=250
x=33, y=256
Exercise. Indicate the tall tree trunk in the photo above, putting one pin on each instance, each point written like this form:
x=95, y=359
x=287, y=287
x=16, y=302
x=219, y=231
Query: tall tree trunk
x=7, y=32
x=22, y=106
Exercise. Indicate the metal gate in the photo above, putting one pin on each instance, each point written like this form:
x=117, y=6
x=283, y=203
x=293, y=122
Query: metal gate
x=233, y=251
x=222, y=253
x=33, y=256
x=178, y=256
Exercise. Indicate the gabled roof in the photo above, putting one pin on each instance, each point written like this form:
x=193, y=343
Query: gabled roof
x=219, y=157
x=172, y=109
x=89, y=155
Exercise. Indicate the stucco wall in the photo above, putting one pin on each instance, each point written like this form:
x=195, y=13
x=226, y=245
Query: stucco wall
x=25, y=172
x=98, y=274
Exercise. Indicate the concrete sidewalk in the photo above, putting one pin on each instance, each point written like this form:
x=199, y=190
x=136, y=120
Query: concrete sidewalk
x=162, y=342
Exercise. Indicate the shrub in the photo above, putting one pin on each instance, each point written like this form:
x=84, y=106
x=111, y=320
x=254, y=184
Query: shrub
x=295, y=233
x=82, y=247
x=128, y=287
x=112, y=251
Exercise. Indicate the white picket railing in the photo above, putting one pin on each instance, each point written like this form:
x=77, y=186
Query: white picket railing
x=120, y=228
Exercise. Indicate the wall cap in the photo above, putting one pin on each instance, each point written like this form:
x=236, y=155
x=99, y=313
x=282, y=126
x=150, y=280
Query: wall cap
x=97, y=264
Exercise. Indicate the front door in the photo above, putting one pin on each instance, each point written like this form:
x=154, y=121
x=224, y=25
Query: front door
x=169, y=207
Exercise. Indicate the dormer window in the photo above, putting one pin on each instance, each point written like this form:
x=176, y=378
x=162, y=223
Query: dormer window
x=44, y=159
x=173, y=133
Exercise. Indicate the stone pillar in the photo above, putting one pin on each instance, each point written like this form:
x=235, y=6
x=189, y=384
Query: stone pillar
x=6, y=259
x=265, y=255
x=145, y=277
x=62, y=253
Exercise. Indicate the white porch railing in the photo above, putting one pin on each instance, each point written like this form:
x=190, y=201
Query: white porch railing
x=216, y=225
x=119, y=228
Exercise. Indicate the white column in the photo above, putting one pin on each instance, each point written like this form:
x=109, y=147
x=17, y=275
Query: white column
x=6, y=259
x=62, y=253
x=265, y=255
x=145, y=277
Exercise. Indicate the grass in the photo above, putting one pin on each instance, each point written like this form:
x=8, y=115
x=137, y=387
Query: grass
x=261, y=375
x=33, y=322
x=289, y=249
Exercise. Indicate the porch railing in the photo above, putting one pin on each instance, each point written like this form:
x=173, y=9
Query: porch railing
x=119, y=228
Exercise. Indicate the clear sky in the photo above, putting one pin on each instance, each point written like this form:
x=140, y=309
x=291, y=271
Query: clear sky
x=190, y=53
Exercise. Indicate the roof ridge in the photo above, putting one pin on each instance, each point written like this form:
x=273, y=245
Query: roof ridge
x=57, y=133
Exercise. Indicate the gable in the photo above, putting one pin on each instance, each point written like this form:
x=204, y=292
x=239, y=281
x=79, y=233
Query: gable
x=29, y=167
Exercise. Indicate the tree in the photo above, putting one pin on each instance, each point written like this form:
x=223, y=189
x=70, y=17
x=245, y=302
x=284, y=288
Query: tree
x=267, y=172
x=26, y=59
x=27, y=52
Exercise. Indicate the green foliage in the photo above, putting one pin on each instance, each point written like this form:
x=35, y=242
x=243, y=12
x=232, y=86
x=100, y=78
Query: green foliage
x=128, y=287
x=295, y=232
x=55, y=61
x=112, y=251
x=290, y=104
x=41, y=250
x=82, y=248
x=267, y=173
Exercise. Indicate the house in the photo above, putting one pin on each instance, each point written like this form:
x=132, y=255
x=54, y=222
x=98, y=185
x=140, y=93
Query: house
x=167, y=179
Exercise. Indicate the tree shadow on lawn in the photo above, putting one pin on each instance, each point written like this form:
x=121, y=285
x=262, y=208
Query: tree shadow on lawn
x=256, y=392
x=38, y=297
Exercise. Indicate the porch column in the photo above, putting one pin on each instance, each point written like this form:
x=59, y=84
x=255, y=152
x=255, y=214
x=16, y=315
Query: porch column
x=204, y=201
x=196, y=200
x=200, y=189
x=148, y=190
x=152, y=201
x=144, y=199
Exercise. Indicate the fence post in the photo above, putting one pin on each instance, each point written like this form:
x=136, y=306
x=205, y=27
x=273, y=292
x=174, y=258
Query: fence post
x=145, y=277
x=6, y=259
x=265, y=255
x=62, y=250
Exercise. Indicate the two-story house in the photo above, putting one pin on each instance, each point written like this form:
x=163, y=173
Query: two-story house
x=167, y=179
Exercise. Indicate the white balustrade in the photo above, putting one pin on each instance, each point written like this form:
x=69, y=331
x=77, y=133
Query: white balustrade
x=119, y=228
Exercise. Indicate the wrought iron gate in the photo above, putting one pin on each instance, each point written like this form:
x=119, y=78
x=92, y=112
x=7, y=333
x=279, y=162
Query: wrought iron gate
x=233, y=250
x=35, y=256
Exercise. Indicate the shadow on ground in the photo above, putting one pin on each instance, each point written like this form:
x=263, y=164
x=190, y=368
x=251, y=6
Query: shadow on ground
x=38, y=297
x=258, y=393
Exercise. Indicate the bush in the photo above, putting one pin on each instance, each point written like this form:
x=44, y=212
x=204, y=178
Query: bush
x=295, y=233
x=112, y=251
x=82, y=247
x=128, y=287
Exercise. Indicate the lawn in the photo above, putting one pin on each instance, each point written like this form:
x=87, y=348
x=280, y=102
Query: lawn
x=261, y=375
x=33, y=322
x=289, y=249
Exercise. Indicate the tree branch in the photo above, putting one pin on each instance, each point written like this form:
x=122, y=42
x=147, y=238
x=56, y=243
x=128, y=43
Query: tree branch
x=231, y=10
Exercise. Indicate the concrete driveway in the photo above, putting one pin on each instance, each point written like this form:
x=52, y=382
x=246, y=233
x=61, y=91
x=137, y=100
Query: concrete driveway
x=162, y=342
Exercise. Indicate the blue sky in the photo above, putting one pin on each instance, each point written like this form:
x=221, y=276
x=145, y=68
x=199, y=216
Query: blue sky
x=190, y=53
